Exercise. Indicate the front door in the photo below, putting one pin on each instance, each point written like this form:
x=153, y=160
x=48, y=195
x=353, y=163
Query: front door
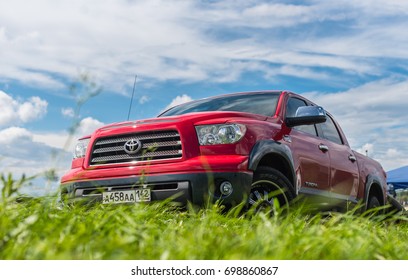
x=313, y=162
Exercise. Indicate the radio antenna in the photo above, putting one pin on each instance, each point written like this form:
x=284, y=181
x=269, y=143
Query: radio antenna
x=131, y=100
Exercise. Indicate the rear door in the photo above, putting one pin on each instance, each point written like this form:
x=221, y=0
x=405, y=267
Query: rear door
x=344, y=170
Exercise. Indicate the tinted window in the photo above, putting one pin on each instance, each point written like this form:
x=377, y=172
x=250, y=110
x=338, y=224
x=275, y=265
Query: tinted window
x=330, y=131
x=291, y=108
x=293, y=105
x=260, y=103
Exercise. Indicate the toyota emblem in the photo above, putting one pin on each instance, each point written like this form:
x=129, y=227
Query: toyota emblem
x=132, y=146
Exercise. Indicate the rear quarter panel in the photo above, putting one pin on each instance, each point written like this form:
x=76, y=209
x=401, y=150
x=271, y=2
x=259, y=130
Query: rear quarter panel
x=369, y=168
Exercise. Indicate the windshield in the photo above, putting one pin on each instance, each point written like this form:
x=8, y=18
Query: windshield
x=255, y=103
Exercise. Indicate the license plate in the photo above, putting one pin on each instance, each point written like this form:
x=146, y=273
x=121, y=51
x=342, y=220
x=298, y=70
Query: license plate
x=129, y=196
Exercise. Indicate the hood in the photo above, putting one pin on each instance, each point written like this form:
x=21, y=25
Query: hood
x=216, y=116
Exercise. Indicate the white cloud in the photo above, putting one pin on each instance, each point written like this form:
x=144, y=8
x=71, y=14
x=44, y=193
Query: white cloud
x=144, y=99
x=33, y=153
x=366, y=149
x=12, y=135
x=57, y=140
x=65, y=140
x=7, y=113
x=88, y=125
x=68, y=112
x=15, y=111
x=279, y=11
x=179, y=100
x=35, y=108
x=392, y=159
x=22, y=154
x=195, y=41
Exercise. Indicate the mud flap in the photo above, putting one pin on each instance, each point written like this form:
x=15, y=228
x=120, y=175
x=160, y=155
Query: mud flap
x=395, y=206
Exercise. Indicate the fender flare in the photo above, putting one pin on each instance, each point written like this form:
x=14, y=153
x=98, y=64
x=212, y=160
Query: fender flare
x=269, y=147
x=371, y=180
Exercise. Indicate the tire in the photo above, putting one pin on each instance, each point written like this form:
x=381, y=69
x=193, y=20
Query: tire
x=373, y=202
x=270, y=191
x=374, y=207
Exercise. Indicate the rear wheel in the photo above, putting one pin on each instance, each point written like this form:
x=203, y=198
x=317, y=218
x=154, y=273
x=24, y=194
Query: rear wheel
x=374, y=206
x=270, y=191
x=373, y=202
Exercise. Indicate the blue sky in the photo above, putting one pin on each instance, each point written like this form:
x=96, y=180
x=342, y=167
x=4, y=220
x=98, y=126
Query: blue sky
x=349, y=56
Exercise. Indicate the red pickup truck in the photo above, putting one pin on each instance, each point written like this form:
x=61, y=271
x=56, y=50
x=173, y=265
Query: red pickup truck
x=261, y=148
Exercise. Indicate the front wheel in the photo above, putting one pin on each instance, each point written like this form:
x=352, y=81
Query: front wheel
x=270, y=191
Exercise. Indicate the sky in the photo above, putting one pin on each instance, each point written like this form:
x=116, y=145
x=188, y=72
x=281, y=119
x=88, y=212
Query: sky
x=68, y=67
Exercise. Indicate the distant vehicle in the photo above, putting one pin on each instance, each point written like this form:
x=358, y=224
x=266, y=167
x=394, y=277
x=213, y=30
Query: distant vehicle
x=262, y=148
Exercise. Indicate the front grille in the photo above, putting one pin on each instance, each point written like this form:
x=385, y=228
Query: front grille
x=153, y=146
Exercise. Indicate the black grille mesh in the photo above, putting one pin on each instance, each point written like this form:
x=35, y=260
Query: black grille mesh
x=154, y=146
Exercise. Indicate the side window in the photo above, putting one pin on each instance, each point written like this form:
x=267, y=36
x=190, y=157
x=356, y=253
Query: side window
x=293, y=105
x=330, y=131
x=291, y=108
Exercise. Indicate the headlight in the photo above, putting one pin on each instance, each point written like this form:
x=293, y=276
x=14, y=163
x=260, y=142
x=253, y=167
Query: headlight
x=220, y=133
x=80, y=148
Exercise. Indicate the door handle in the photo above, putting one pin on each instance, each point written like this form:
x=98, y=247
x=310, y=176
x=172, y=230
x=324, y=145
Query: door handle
x=352, y=158
x=323, y=148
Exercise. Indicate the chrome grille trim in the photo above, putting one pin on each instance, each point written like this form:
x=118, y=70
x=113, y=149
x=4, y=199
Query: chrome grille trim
x=145, y=156
x=145, y=146
x=141, y=137
x=160, y=145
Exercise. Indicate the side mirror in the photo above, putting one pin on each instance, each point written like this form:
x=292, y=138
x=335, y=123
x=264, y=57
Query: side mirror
x=306, y=115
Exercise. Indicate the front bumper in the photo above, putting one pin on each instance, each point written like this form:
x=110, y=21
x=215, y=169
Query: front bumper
x=196, y=187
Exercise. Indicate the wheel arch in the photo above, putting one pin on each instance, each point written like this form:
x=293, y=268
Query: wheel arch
x=373, y=187
x=273, y=154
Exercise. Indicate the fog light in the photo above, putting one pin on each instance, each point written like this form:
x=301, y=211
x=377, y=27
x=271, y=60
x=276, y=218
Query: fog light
x=226, y=188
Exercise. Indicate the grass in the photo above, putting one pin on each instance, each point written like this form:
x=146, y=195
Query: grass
x=39, y=229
